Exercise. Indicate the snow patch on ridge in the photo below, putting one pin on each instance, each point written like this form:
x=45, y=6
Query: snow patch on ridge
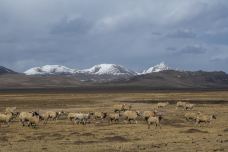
x=157, y=68
x=49, y=70
x=107, y=69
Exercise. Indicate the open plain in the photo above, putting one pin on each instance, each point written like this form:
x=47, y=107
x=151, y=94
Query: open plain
x=176, y=134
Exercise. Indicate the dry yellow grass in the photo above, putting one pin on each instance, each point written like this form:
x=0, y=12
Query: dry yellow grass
x=175, y=135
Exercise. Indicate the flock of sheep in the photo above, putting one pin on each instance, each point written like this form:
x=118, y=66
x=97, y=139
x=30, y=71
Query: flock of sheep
x=120, y=112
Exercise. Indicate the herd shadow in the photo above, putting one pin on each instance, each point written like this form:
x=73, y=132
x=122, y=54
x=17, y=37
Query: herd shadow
x=116, y=139
x=192, y=130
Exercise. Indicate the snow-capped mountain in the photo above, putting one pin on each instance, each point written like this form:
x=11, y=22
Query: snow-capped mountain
x=97, y=73
x=101, y=69
x=107, y=69
x=157, y=68
x=50, y=70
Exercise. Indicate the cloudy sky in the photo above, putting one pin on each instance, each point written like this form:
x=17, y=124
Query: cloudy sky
x=185, y=34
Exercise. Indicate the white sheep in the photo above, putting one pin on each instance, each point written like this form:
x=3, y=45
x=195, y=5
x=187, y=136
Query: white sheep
x=204, y=118
x=131, y=115
x=71, y=116
x=180, y=104
x=127, y=107
x=11, y=110
x=6, y=118
x=191, y=116
x=83, y=118
x=118, y=107
x=33, y=121
x=154, y=120
x=51, y=115
x=100, y=115
x=189, y=106
x=113, y=117
x=147, y=114
x=162, y=104
x=121, y=107
x=25, y=116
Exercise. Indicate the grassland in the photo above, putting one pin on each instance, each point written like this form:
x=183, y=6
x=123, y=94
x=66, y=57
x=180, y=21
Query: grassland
x=175, y=135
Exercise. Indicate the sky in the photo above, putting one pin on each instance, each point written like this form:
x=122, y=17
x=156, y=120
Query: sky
x=185, y=34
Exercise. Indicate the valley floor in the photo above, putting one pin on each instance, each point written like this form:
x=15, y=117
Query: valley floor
x=176, y=133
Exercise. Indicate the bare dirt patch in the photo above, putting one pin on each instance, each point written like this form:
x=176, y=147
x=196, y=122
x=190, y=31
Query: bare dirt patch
x=225, y=130
x=116, y=139
x=194, y=131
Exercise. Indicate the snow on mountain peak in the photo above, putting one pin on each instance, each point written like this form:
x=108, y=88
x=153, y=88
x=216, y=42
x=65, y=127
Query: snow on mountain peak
x=49, y=69
x=107, y=69
x=100, y=69
x=157, y=68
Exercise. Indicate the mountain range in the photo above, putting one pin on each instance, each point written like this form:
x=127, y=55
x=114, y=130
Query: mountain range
x=97, y=73
x=100, y=69
x=106, y=76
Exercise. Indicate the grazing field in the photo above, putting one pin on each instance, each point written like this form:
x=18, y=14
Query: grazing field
x=176, y=134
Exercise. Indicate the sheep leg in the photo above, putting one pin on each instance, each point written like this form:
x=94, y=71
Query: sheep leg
x=45, y=121
x=7, y=124
x=76, y=121
x=72, y=121
x=160, y=125
x=23, y=123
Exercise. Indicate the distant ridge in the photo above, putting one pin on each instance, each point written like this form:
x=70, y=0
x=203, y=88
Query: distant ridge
x=112, y=76
x=4, y=70
x=99, y=70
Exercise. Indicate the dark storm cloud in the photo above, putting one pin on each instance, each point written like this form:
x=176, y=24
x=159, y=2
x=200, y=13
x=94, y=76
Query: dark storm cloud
x=136, y=34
